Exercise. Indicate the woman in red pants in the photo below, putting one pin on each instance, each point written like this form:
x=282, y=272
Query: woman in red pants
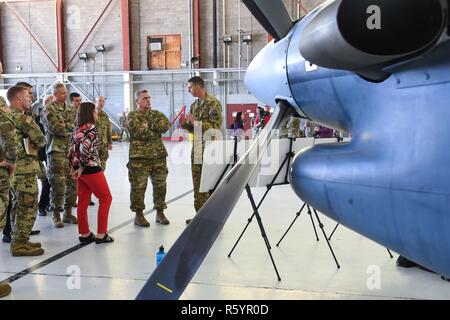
x=85, y=168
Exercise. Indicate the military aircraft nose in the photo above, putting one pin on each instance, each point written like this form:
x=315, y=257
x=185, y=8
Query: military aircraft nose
x=266, y=77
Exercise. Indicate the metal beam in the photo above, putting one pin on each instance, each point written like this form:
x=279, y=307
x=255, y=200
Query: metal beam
x=60, y=34
x=120, y=73
x=87, y=36
x=126, y=43
x=16, y=14
x=197, y=31
x=2, y=61
x=13, y=1
x=215, y=44
x=304, y=9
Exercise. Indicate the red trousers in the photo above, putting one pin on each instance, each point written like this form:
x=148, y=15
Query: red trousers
x=93, y=184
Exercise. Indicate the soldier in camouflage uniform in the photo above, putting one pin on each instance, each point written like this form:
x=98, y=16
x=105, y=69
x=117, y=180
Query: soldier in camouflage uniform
x=71, y=185
x=25, y=188
x=8, y=157
x=148, y=158
x=205, y=114
x=293, y=127
x=58, y=123
x=104, y=131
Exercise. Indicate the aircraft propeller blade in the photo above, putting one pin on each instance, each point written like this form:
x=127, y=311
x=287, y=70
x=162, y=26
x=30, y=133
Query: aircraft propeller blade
x=272, y=15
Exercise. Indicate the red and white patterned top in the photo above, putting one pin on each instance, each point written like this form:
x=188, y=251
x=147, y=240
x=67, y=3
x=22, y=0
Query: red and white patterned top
x=83, y=151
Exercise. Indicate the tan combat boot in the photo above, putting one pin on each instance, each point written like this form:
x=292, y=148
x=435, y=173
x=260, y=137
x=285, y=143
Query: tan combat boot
x=161, y=218
x=34, y=245
x=69, y=218
x=57, y=220
x=5, y=289
x=140, y=221
x=21, y=249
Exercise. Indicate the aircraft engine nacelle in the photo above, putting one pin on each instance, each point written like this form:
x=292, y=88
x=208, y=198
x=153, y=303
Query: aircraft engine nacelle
x=364, y=36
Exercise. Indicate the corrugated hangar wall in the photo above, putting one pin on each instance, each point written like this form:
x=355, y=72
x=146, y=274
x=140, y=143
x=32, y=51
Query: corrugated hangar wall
x=36, y=51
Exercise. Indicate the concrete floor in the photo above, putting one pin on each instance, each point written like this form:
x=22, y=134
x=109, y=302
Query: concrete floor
x=307, y=269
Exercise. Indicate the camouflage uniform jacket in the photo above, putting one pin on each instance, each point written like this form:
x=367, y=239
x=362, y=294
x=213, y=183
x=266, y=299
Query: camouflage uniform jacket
x=71, y=115
x=146, y=128
x=26, y=128
x=104, y=130
x=58, y=126
x=208, y=111
x=293, y=127
x=8, y=139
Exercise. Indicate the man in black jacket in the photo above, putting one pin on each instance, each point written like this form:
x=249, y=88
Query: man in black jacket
x=44, y=199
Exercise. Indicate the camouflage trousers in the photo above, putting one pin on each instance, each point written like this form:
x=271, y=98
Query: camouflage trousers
x=139, y=171
x=103, y=155
x=199, y=197
x=42, y=173
x=5, y=184
x=63, y=187
x=24, y=206
x=71, y=194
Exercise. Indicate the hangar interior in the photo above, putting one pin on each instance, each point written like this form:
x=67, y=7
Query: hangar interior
x=113, y=48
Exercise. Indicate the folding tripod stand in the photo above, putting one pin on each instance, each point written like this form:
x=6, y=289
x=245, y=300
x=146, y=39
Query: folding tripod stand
x=287, y=160
x=334, y=230
x=314, y=227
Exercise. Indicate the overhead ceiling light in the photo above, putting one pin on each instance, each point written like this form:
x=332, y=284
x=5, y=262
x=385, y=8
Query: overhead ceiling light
x=195, y=61
x=83, y=56
x=247, y=38
x=100, y=48
x=227, y=39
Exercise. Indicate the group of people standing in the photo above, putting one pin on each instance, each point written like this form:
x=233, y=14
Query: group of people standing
x=76, y=140
x=23, y=143
x=148, y=155
x=47, y=139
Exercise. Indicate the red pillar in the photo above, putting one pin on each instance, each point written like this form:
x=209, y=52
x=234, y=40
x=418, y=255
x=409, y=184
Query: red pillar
x=126, y=43
x=197, y=31
x=1, y=43
x=60, y=35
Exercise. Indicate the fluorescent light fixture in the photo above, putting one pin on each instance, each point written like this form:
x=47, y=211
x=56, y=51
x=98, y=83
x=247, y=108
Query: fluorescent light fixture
x=100, y=48
x=83, y=56
x=227, y=39
x=247, y=38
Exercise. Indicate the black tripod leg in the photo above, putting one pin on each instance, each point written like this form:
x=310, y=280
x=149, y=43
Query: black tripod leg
x=334, y=230
x=261, y=227
x=290, y=155
x=297, y=215
x=313, y=224
x=390, y=253
x=242, y=234
x=264, y=235
x=326, y=238
x=256, y=208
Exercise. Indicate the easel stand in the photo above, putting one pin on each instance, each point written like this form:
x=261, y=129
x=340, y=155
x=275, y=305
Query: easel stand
x=314, y=227
x=287, y=160
x=334, y=230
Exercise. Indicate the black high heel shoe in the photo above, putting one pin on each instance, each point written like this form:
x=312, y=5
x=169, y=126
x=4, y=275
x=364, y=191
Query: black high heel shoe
x=105, y=239
x=90, y=238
